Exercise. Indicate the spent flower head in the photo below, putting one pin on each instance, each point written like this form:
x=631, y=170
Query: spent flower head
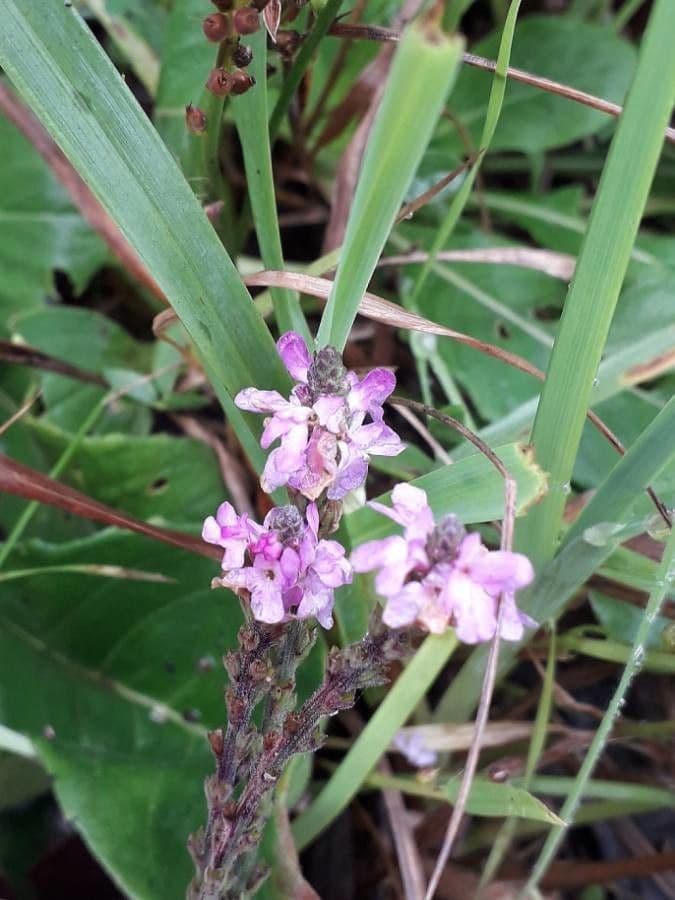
x=436, y=575
x=282, y=565
x=325, y=440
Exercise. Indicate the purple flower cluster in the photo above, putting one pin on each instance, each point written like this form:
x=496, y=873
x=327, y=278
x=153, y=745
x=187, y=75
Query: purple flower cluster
x=324, y=439
x=288, y=572
x=437, y=575
x=434, y=575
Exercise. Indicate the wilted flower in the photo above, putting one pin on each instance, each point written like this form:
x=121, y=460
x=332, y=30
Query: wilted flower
x=288, y=572
x=438, y=576
x=324, y=443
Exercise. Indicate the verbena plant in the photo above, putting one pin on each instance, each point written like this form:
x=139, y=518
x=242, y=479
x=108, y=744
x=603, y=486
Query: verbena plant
x=112, y=641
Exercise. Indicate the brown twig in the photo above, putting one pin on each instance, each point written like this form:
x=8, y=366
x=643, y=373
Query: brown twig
x=373, y=33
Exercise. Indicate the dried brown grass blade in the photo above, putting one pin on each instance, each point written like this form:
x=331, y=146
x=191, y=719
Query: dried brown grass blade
x=22, y=481
x=557, y=265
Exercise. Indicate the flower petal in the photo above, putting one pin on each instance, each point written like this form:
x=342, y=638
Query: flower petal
x=403, y=607
x=502, y=570
x=371, y=392
x=253, y=400
x=294, y=355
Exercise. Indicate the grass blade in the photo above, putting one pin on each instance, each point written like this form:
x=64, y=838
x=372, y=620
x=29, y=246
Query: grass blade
x=250, y=115
x=60, y=69
x=423, y=71
x=665, y=580
x=603, y=260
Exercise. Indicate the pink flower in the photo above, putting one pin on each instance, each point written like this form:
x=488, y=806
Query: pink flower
x=325, y=442
x=288, y=572
x=438, y=576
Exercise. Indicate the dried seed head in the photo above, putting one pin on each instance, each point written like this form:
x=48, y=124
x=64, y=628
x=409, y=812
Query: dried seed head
x=248, y=639
x=219, y=82
x=258, y=670
x=293, y=723
x=271, y=741
x=443, y=542
x=246, y=20
x=236, y=708
x=216, y=739
x=287, y=43
x=241, y=81
x=242, y=56
x=217, y=27
x=195, y=119
x=327, y=374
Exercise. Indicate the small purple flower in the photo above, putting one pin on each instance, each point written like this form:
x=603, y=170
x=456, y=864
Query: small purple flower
x=325, y=442
x=438, y=576
x=288, y=572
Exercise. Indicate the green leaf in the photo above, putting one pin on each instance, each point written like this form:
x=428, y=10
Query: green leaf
x=174, y=479
x=35, y=213
x=422, y=73
x=60, y=69
x=471, y=489
x=587, y=57
x=486, y=798
x=94, y=343
x=128, y=680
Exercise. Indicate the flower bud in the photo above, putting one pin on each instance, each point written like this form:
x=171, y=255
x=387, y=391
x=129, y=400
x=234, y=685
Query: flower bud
x=327, y=374
x=216, y=27
x=242, y=56
x=195, y=119
x=219, y=82
x=443, y=542
x=241, y=82
x=216, y=740
x=287, y=43
x=246, y=20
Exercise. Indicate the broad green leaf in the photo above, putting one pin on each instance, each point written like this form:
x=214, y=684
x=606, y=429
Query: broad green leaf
x=94, y=343
x=471, y=489
x=57, y=65
x=40, y=231
x=128, y=680
x=588, y=57
x=159, y=476
x=422, y=74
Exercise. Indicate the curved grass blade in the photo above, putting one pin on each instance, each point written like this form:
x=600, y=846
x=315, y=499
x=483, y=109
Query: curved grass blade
x=423, y=70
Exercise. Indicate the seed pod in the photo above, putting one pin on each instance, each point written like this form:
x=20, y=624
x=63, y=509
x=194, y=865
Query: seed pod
x=195, y=119
x=287, y=43
x=216, y=739
x=241, y=82
x=219, y=82
x=242, y=56
x=216, y=27
x=246, y=20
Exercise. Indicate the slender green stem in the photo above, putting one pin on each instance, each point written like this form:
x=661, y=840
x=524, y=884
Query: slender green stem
x=664, y=583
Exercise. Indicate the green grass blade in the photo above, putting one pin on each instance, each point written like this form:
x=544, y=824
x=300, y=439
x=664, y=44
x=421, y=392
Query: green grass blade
x=491, y=118
x=250, y=116
x=578, y=559
x=423, y=70
x=603, y=260
x=63, y=74
x=665, y=581
x=373, y=741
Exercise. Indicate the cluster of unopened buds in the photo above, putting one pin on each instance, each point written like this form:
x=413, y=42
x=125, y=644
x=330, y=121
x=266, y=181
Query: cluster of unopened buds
x=431, y=577
x=233, y=20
